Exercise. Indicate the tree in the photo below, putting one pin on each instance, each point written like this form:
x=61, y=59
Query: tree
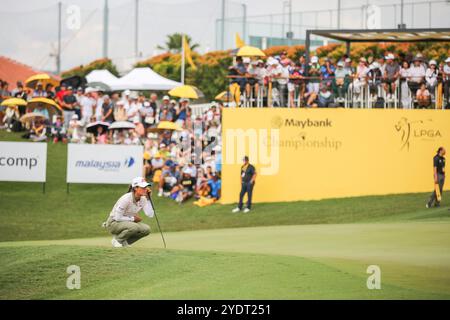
x=173, y=43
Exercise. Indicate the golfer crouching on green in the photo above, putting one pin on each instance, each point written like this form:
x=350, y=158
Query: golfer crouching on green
x=123, y=222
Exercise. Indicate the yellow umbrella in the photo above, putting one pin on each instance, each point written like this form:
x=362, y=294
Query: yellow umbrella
x=165, y=125
x=11, y=102
x=44, y=102
x=224, y=96
x=43, y=78
x=185, y=91
x=28, y=117
x=248, y=51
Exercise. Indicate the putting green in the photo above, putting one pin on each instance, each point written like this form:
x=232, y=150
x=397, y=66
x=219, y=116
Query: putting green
x=414, y=258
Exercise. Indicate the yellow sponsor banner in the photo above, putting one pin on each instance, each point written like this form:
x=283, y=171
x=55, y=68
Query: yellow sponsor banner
x=309, y=154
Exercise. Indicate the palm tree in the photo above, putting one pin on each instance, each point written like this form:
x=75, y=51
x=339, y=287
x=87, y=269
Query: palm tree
x=173, y=43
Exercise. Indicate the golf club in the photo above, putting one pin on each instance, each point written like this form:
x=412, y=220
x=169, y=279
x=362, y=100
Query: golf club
x=157, y=221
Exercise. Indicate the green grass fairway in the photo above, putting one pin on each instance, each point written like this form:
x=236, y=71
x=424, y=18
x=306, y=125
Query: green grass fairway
x=281, y=262
x=296, y=250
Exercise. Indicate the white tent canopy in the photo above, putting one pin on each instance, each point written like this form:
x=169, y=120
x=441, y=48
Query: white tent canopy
x=103, y=76
x=143, y=79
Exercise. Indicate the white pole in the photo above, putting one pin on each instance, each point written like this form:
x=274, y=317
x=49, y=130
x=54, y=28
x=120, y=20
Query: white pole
x=182, y=59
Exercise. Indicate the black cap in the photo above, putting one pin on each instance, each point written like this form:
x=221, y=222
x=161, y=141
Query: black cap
x=245, y=158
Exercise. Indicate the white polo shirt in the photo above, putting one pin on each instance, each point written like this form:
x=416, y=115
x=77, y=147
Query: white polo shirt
x=126, y=208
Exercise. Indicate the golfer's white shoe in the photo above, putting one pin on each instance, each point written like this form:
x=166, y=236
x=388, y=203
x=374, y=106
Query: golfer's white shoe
x=160, y=193
x=115, y=243
x=235, y=210
x=246, y=210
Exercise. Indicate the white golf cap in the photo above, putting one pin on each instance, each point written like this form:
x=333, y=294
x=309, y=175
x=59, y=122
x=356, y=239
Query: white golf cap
x=139, y=182
x=340, y=64
x=375, y=65
x=166, y=98
x=433, y=62
x=447, y=60
x=75, y=117
x=127, y=92
x=348, y=60
x=173, y=101
x=89, y=90
x=314, y=59
x=246, y=60
x=390, y=56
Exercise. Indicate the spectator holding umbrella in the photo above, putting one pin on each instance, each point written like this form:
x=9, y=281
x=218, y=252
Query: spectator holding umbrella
x=98, y=131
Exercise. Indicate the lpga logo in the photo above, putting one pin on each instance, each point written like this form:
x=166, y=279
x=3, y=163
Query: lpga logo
x=415, y=130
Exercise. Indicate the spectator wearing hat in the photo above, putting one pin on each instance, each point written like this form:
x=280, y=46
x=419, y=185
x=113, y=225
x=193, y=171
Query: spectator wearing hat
x=417, y=74
x=390, y=76
x=119, y=111
x=446, y=79
x=325, y=98
x=39, y=91
x=374, y=77
x=314, y=72
x=248, y=177
x=348, y=66
x=341, y=81
x=360, y=76
x=431, y=77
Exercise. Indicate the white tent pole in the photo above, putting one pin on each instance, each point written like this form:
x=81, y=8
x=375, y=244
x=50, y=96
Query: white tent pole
x=182, y=58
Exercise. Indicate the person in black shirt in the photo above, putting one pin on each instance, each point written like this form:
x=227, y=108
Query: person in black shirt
x=438, y=175
x=248, y=177
x=68, y=105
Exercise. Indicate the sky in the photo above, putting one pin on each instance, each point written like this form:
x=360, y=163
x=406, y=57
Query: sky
x=29, y=28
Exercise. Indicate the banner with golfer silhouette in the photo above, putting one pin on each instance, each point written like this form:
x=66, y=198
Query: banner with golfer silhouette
x=304, y=154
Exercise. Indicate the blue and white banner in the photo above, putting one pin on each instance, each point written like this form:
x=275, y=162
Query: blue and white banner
x=23, y=161
x=93, y=163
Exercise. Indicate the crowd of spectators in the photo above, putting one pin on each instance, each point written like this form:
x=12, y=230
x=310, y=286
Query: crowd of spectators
x=326, y=82
x=184, y=162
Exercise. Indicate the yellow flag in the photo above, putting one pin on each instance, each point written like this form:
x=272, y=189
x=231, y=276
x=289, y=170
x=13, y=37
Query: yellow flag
x=239, y=42
x=187, y=53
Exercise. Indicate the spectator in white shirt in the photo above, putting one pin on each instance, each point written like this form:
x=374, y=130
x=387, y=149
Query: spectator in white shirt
x=416, y=75
x=404, y=75
x=431, y=76
x=87, y=103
